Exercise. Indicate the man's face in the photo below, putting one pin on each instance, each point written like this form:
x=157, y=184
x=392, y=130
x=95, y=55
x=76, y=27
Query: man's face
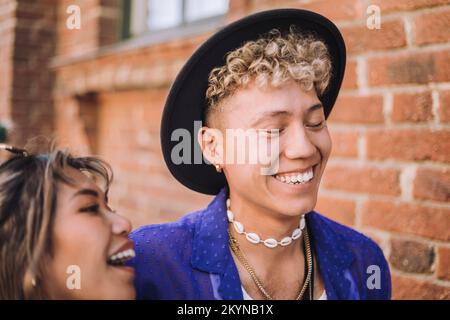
x=304, y=145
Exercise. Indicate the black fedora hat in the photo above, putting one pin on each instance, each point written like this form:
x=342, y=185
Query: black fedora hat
x=186, y=101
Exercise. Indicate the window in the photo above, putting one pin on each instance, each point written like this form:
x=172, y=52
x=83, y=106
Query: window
x=146, y=16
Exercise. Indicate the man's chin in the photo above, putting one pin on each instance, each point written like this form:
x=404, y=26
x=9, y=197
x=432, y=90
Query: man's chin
x=294, y=209
x=292, y=205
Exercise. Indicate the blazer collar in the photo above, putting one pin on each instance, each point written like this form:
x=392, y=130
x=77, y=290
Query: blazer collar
x=212, y=254
x=331, y=250
x=327, y=239
x=210, y=250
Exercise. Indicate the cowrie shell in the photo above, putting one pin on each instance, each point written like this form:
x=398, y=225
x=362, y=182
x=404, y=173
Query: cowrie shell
x=253, y=238
x=286, y=241
x=296, y=233
x=230, y=216
x=270, y=243
x=238, y=227
x=302, y=223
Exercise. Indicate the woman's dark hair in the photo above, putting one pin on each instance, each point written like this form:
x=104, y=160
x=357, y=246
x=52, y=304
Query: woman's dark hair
x=28, y=196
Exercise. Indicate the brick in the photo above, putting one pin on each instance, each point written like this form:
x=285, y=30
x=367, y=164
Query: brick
x=337, y=10
x=411, y=256
x=420, y=220
x=408, y=144
x=358, y=109
x=408, y=288
x=412, y=107
x=345, y=143
x=443, y=263
x=432, y=184
x=432, y=27
x=350, y=76
x=361, y=39
x=406, y=5
x=340, y=210
x=239, y=5
x=444, y=106
x=362, y=179
x=409, y=67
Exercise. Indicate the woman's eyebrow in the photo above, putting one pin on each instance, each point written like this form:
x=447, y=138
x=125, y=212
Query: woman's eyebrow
x=88, y=192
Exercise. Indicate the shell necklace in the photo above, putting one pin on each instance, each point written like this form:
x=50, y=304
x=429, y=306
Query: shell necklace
x=256, y=239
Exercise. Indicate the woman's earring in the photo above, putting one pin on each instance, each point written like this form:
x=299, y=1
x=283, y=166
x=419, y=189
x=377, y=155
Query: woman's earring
x=33, y=282
x=218, y=168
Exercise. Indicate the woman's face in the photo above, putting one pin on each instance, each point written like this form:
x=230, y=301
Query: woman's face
x=303, y=143
x=86, y=234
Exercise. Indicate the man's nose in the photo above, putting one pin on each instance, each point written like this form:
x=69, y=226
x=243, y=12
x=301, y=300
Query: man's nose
x=299, y=144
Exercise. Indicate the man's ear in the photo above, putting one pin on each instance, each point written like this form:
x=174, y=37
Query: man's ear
x=211, y=144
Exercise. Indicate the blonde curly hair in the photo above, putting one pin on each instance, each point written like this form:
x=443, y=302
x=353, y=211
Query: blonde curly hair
x=271, y=59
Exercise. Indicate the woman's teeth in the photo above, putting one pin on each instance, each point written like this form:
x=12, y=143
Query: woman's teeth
x=121, y=257
x=296, y=178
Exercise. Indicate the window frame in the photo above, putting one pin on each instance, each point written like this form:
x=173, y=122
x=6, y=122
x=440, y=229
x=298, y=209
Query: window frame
x=185, y=28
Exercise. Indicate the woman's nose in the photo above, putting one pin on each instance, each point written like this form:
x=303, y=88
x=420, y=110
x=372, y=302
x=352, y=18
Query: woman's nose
x=120, y=225
x=299, y=144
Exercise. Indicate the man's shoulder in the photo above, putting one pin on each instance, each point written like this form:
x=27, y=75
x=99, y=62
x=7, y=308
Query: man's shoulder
x=163, y=251
x=163, y=234
x=350, y=237
x=368, y=257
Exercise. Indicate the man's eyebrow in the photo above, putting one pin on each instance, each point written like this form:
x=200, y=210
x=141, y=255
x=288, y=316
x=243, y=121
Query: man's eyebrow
x=314, y=107
x=269, y=114
x=87, y=192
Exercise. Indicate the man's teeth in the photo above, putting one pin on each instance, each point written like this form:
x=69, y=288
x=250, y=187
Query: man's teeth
x=296, y=178
x=121, y=257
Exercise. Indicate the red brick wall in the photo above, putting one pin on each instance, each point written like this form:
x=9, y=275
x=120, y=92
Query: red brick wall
x=127, y=89
x=389, y=174
x=27, y=45
x=7, y=23
x=100, y=21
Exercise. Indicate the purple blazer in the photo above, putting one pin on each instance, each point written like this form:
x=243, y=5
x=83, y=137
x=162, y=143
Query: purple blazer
x=190, y=258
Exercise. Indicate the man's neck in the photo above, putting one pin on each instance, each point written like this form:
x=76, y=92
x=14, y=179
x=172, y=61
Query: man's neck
x=265, y=224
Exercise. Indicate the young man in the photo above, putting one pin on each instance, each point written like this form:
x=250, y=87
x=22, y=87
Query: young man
x=272, y=77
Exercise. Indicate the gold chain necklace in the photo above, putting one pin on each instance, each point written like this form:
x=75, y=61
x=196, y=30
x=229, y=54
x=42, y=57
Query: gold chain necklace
x=235, y=247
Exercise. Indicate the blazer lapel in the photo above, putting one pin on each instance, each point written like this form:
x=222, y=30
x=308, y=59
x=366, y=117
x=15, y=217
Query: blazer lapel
x=333, y=256
x=211, y=252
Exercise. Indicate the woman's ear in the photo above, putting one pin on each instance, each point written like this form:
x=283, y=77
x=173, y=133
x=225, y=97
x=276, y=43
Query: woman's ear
x=211, y=144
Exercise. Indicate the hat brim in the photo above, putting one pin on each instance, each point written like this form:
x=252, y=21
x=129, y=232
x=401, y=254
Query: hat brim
x=186, y=101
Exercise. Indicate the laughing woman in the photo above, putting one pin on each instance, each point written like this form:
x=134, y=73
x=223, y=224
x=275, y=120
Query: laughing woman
x=260, y=238
x=58, y=237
